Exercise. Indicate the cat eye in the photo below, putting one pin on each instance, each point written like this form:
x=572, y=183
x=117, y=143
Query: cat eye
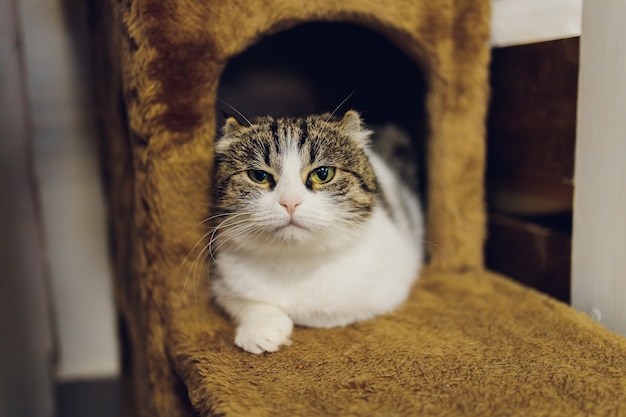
x=260, y=176
x=322, y=175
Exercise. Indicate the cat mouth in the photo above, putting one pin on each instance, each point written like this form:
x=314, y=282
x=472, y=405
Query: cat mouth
x=291, y=225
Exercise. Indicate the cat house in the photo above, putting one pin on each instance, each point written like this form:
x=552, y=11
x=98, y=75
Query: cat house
x=467, y=342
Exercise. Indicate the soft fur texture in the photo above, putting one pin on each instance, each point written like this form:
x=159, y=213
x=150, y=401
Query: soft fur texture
x=464, y=343
x=293, y=249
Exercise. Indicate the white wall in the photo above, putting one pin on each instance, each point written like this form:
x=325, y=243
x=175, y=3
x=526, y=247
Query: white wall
x=65, y=151
x=599, y=245
x=515, y=22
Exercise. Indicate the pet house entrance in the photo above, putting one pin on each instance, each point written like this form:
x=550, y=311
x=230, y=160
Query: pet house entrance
x=314, y=67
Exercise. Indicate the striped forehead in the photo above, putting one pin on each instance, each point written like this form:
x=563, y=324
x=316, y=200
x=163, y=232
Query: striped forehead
x=289, y=133
x=287, y=138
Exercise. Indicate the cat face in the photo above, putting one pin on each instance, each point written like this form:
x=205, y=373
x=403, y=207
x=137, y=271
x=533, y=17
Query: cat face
x=293, y=183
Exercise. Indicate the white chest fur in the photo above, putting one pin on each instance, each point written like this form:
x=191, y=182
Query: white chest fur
x=369, y=277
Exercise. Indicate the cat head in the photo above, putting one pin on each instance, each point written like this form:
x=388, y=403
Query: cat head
x=301, y=184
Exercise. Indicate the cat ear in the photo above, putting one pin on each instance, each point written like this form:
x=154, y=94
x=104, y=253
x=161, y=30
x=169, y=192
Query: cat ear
x=351, y=122
x=231, y=126
x=229, y=130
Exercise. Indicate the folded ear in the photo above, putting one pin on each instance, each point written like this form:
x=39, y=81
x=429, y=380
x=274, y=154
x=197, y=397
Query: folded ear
x=228, y=136
x=351, y=122
x=231, y=126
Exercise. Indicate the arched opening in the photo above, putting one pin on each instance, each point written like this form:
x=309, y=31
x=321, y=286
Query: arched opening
x=314, y=67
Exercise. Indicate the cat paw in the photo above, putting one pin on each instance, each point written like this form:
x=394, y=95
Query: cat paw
x=264, y=334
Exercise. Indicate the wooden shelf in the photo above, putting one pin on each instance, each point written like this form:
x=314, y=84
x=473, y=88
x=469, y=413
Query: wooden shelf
x=530, y=163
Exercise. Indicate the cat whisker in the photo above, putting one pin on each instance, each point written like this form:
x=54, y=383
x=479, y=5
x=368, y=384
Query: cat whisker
x=200, y=256
x=223, y=225
x=211, y=232
x=187, y=258
x=243, y=117
x=335, y=111
x=226, y=226
x=192, y=272
x=253, y=234
x=208, y=219
x=341, y=104
x=240, y=114
x=231, y=234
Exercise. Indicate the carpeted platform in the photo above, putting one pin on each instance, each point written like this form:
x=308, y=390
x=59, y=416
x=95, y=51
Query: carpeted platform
x=473, y=344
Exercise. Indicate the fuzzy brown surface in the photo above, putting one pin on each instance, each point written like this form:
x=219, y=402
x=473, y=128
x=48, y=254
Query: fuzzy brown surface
x=471, y=344
x=466, y=343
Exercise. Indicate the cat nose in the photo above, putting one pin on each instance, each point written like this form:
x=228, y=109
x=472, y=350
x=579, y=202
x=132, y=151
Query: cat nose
x=290, y=205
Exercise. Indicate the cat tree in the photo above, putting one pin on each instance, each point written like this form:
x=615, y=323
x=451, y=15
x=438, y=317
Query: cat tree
x=468, y=342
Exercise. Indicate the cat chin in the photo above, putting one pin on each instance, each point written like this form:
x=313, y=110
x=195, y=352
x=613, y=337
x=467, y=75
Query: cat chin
x=293, y=241
x=293, y=233
x=297, y=239
x=291, y=228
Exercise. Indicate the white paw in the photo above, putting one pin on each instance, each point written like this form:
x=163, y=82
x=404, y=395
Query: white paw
x=264, y=332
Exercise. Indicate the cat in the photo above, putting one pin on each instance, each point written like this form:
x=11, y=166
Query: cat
x=312, y=228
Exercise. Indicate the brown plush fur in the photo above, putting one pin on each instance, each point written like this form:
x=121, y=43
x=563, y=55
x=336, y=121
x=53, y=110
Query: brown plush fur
x=470, y=344
x=466, y=342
